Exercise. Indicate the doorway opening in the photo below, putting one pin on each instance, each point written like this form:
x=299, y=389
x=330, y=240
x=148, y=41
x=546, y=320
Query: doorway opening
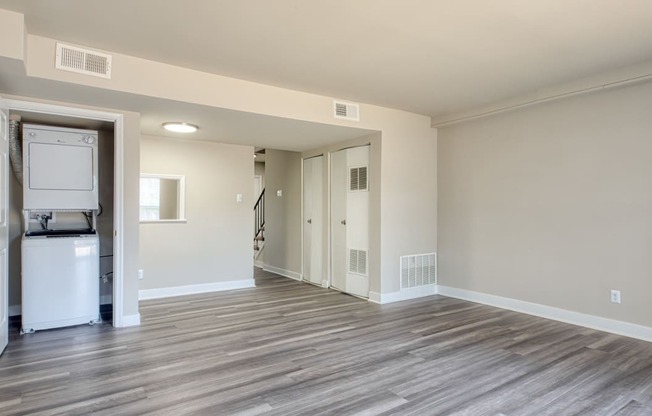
x=110, y=221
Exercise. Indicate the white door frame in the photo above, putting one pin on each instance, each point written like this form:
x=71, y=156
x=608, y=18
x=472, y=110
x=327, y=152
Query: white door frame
x=118, y=185
x=4, y=225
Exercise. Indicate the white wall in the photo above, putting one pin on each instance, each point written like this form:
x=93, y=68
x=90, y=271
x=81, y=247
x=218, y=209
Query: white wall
x=552, y=204
x=215, y=244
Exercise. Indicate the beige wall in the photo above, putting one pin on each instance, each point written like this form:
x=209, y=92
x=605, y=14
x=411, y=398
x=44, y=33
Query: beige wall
x=215, y=244
x=283, y=214
x=12, y=33
x=259, y=170
x=408, y=200
x=551, y=204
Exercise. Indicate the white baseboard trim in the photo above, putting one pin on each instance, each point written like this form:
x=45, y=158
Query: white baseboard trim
x=405, y=294
x=576, y=318
x=130, y=320
x=167, y=292
x=283, y=272
x=127, y=320
x=324, y=284
x=14, y=310
x=106, y=299
x=258, y=263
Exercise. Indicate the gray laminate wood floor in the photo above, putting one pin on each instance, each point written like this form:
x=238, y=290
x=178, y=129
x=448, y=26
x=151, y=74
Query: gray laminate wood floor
x=287, y=348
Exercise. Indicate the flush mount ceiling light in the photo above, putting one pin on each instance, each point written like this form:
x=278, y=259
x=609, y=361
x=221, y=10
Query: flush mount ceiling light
x=180, y=127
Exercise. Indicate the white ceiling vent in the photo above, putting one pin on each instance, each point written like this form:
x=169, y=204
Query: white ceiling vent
x=346, y=111
x=83, y=61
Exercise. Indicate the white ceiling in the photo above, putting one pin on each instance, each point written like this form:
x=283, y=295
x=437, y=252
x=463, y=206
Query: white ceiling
x=432, y=57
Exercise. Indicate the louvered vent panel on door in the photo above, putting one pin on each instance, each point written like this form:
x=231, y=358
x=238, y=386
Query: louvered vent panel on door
x=355, y=183
x=418, y=270
x=362, y=178
x=83, y=61
x=358, y=261
x=358, y=179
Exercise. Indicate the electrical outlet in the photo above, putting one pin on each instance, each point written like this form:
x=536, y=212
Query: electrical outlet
x=140, y=274
x=615, y=296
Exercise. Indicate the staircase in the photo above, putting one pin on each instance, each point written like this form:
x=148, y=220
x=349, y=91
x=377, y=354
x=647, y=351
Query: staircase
x=259, y=223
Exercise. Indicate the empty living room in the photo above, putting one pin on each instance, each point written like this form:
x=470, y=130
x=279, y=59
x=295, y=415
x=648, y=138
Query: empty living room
x=325, y=208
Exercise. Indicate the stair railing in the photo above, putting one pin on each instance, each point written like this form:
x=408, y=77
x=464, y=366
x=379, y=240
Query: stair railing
x=259, y=215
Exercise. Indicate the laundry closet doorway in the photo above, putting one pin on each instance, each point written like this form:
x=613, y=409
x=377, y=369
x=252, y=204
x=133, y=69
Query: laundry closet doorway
x=52, y=113
x=350, y=220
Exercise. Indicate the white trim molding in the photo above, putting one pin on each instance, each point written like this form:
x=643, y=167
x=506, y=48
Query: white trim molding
x=130, y=320
x=167, y=292
x=405, y=294
x=283, y=272
x=576, y=318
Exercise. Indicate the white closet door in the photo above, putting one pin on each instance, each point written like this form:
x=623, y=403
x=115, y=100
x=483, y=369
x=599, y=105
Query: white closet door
x=338, y=220
x=4, y=237
x=350, y=220
x=313, y=219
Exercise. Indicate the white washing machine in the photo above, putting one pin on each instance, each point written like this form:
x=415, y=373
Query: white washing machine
x=60, y=279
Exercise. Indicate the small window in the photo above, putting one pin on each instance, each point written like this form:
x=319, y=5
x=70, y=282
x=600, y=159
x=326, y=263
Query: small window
x=162, y=198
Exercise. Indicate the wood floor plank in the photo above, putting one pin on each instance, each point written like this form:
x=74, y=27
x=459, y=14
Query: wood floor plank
x=288, y=348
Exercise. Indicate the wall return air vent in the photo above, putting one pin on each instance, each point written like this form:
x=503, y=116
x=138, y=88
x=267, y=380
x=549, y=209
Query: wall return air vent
x=346, y=111
x=418, y=270
x=83, y=61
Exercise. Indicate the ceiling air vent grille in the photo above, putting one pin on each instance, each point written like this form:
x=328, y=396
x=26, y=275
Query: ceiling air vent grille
x=346, y=111
x=83, y=61
x=418, y=270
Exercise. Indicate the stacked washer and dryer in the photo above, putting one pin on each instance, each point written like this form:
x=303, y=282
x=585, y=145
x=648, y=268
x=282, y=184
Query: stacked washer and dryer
x=60, y=267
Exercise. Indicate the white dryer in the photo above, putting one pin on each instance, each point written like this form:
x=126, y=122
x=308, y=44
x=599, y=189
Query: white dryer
x=60, y=279
x=60, y=168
